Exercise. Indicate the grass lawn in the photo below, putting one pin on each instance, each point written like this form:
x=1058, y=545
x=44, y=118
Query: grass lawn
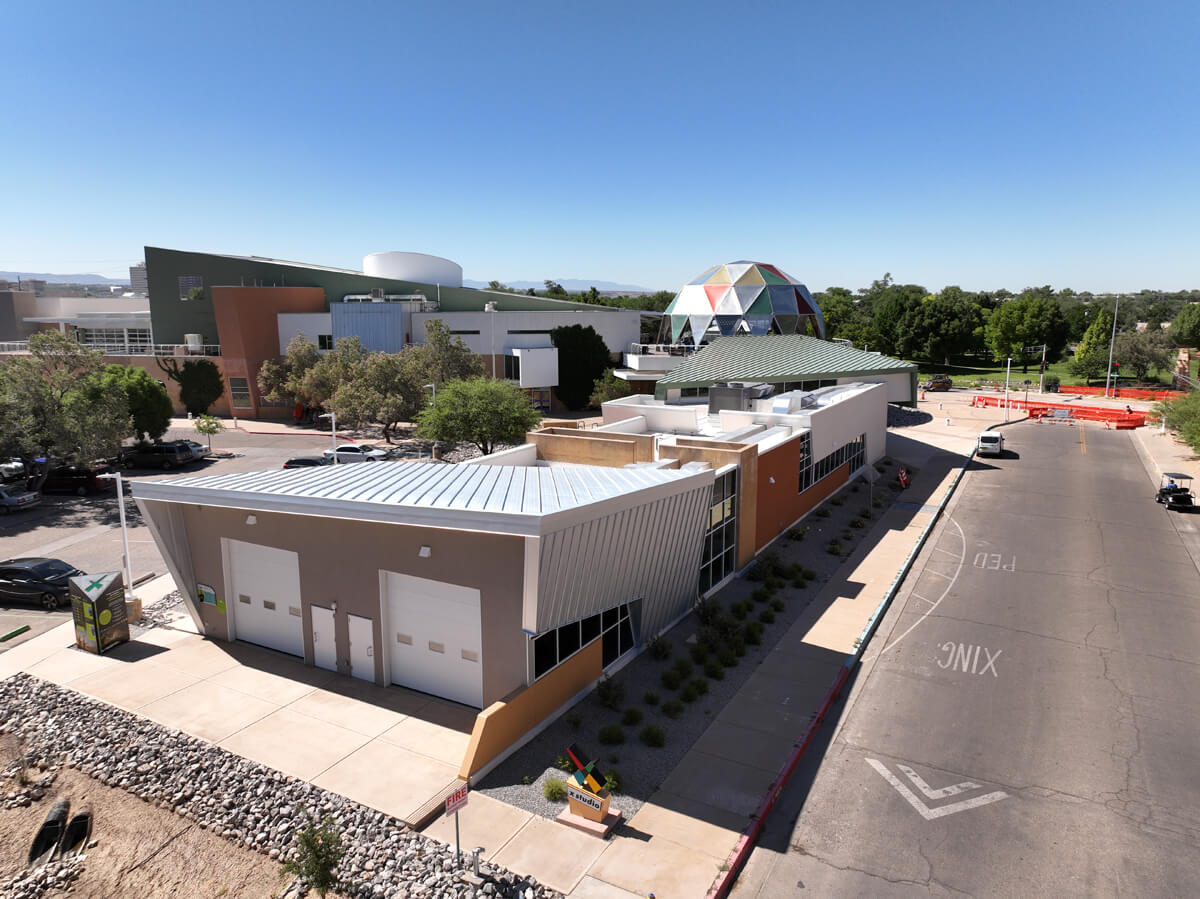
x=974, y=375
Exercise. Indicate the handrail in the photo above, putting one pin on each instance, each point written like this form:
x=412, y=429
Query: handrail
x=132, y=349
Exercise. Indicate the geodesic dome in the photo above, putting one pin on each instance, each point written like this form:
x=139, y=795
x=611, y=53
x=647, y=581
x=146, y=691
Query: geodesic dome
x=744, y=297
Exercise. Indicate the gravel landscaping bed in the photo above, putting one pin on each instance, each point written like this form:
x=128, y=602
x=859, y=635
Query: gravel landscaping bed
x=808, y=554
x=242, y=801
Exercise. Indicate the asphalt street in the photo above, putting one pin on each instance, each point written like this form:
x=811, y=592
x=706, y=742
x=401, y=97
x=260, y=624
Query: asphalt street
x=85, y=531
x=1024, y=722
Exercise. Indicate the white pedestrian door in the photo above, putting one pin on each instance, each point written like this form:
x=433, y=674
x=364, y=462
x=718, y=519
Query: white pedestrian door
x=362, y=647
x=434, y=642
x=324, y=643
x=265, y=596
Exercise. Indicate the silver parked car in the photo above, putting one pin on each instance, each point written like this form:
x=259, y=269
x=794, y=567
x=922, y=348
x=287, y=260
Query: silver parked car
x=14, y=499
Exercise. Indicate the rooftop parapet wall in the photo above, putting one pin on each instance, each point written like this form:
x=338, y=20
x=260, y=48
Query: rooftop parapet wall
x=590, y=448
x=718, y=454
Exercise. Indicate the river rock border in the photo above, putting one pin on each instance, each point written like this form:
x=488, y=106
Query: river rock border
x=240, y=800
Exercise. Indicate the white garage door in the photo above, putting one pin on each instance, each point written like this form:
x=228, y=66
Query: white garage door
x=265, y=594
x=433, y=638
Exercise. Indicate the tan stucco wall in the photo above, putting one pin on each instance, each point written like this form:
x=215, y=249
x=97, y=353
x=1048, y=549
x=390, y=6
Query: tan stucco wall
x=609, y=450
x=340, y=560
x=503, y=723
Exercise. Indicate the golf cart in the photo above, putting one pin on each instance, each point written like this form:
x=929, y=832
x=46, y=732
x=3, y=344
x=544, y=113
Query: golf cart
x=1175, y=492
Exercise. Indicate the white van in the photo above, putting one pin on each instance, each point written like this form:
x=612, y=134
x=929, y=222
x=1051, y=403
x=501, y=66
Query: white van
x=991, y=443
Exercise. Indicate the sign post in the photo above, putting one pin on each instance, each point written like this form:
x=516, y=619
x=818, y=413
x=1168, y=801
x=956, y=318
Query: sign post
x=454, y=802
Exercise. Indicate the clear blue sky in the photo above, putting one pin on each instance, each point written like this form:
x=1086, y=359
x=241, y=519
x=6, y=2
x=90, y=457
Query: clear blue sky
x=981, y=144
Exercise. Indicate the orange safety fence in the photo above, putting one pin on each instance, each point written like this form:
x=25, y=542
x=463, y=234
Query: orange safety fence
x=1039, y=409
x=1129, y=393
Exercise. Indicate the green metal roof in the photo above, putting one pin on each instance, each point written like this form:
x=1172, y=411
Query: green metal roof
x=774, y=358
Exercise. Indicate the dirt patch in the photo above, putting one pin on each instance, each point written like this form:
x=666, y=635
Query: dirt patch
x=141, y=850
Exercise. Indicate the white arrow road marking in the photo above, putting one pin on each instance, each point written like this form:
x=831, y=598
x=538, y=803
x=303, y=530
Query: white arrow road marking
x=925, y=811
x=930, y=792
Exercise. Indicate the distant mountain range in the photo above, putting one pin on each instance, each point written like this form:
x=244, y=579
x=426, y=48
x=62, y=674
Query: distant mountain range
x=61, y=279
x=571, y=285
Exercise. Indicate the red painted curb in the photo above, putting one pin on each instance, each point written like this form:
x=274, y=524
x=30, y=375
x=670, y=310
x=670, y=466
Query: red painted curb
x=741, y=852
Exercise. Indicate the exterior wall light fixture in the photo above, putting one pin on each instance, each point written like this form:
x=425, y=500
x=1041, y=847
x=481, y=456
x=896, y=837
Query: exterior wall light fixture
x=425, y=552
x=251, y=519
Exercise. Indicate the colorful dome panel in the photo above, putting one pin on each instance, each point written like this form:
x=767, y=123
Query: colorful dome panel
x=743, y=297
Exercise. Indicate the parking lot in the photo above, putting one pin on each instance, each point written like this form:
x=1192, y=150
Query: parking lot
x=85, y=531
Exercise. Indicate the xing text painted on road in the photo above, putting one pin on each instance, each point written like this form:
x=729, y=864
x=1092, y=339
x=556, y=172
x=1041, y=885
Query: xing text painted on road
x=967, y=657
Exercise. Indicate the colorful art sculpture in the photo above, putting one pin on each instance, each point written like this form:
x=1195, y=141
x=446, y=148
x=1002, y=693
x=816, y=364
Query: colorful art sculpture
x=743, y=298
x=587, y=800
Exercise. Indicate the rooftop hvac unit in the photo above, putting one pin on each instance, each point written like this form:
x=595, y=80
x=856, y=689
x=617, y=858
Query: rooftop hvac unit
x=736, y=397
x=376, y=294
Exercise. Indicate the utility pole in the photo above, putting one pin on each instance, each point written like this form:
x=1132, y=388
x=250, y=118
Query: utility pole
x=1112, y=340
x=1007, y=372
x=1042, y=374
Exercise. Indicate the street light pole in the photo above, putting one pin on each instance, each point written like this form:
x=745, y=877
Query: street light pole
x=1007, y=371
x=125, y=563
x=1111, y=341
x=433, y=387
x=491, y=307
x=332, y=416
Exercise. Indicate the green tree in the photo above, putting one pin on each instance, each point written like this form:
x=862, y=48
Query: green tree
x=208, y=425
x=1142, y=351
x=149, y=405
x=938, y=327
x=200, y=382
x=1019, y=327
x=283, y=381
x=53, y=403
x=1091, y=355
x=1185, y=330
x=320, y=382
x=387, y=388
x=444, y=356
x=582, y=358
x=1183, y=416
x=554, y=289
x=483, y=411
x=608, y=387
x=319, y=851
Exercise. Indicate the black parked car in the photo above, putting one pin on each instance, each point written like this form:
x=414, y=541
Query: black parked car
x=78, y=479
x=36, y=579
x=306, y=462
x=159, y=455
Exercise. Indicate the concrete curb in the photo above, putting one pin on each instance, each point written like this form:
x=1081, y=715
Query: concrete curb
x=745, y=844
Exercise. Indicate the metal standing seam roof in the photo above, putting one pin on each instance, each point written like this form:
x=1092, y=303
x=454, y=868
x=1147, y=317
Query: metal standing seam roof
x=777, y=357
x=414, y=487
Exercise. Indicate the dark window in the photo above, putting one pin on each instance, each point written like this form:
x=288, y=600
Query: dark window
x=590, y=628
x=239, y=393
x=188, y=283
x=609, y=618
x=612, y=647
x=324, y=341
x=614, y=628
x=529, y=331
x=464, y=332
x=512, y=368
x=545, y=653
x=568, y=639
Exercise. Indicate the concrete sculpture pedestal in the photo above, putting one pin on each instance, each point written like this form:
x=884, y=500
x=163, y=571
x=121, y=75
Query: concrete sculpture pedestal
x=589, y=812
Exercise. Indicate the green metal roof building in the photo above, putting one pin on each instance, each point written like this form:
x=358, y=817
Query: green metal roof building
x=791, y=361
x=172, y=273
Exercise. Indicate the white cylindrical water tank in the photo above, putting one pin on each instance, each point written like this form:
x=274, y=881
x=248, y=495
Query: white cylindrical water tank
x=419, y=267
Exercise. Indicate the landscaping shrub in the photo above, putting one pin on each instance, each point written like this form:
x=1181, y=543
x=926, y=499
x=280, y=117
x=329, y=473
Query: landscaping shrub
x=753, y=633
x=684, y=667
x=698, y=652
x=632, y=716
x=777, y=605
x=612, y=735
x=854, y=487
x=610, y=693
x=652, y=735
x=650, y=697
x=562, y=763
x=864, y=512
x=739, y=610
x=728, y=657
x=796, y=534
x=766, y=616
x=672, y=708
x=554, y=789
x=1050, y=383
x=856, y=522
x=659, y=648
x=876, y=504
x=838, y=500
x=714, y=669
x=799, y=583
x=773, y=584
x=699, y=684
x=707, y=610
x=821, y=512
x=761, y=594
x=809, y=573
x=574, y=720
x=689, y=693
x=737, y=643
x=834, y=547
x=319, y=850
x=671, y=679
x=612, y=781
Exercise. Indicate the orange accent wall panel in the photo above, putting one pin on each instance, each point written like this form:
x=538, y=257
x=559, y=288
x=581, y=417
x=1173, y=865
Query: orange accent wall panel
x=781, y=503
